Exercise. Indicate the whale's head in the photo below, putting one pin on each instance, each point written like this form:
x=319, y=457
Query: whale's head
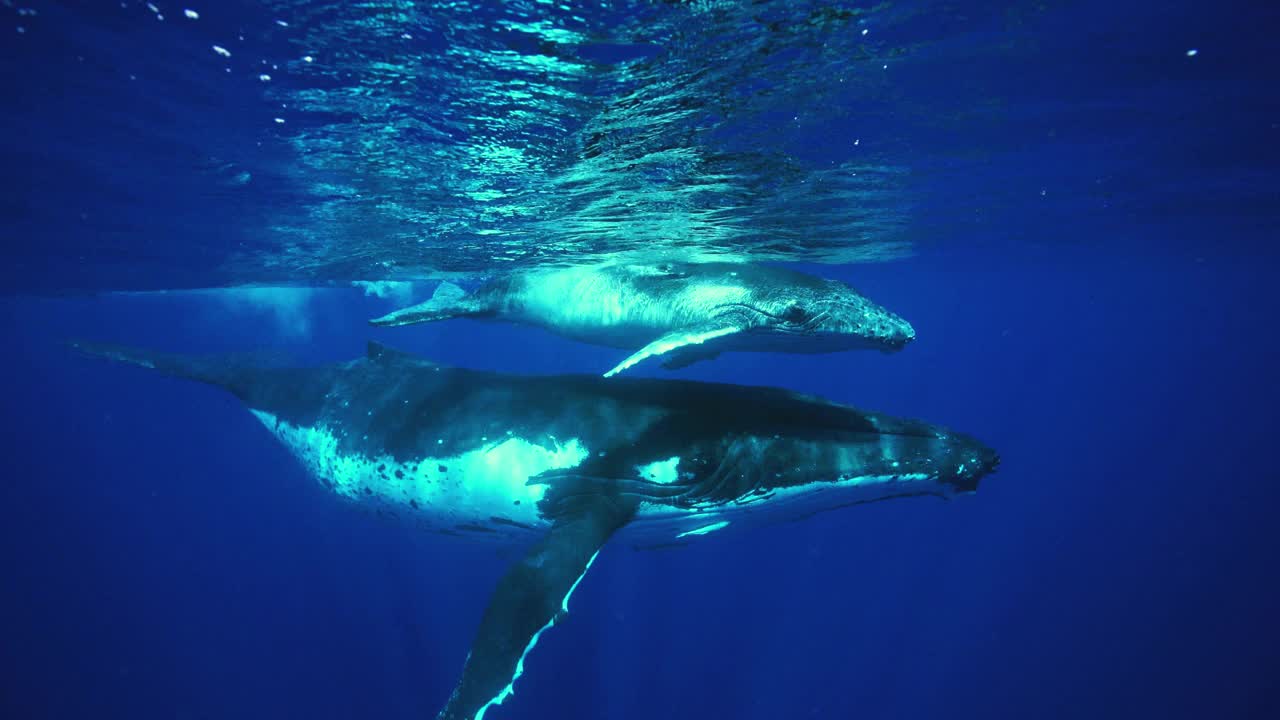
x=814, y=465
x=770, y=455
x=832, y=316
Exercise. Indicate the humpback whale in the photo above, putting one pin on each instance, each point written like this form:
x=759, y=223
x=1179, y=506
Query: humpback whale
x=681, y=312
x=564, y=463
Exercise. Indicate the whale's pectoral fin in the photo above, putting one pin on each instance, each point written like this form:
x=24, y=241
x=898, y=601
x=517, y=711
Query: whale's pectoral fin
x=448, y=301
x=684, y=347
x=530, y=598
x=685, y=357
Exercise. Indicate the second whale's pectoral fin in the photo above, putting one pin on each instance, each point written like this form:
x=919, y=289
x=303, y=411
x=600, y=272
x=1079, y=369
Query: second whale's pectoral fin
x=681, y=347
x=448, y=301
x=529, y=599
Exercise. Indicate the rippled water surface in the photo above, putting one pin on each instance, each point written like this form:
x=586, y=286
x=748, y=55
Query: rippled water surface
x=309, y=142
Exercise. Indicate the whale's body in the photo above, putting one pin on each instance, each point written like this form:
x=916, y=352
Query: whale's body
x=681, y=312
x=562, y=463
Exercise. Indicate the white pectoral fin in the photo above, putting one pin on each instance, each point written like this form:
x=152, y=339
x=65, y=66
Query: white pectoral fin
x=674, y=341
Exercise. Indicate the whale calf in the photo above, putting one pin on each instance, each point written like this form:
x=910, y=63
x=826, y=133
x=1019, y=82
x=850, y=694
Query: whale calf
x=681, y=312
x=564, y=463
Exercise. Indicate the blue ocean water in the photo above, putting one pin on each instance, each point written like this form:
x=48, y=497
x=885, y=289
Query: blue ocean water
x=1075, y=204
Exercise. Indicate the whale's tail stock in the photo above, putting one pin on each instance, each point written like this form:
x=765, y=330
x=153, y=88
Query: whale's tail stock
x=448, y=301
x=229, y=371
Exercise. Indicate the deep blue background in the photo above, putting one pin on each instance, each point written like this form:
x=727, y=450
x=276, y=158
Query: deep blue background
x=166, y=558
x=1094, y=297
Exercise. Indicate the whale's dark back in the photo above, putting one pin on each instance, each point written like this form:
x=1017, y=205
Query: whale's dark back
x=401, y=404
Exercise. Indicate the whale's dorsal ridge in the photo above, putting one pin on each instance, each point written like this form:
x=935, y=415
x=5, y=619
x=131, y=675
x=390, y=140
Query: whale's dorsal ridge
x=376, y=352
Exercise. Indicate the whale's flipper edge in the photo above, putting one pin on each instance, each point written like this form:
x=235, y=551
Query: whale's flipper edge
x=680, y=345
x=448, y=301
x=529, y=599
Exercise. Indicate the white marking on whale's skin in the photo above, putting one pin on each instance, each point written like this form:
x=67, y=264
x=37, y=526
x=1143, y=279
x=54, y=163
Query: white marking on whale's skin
x=473, y=487
x=509, y=690
x=656, y=520
x=705, y=529
x=485, y=482
x=874, y=485
x=610, y=300
x=663, y=472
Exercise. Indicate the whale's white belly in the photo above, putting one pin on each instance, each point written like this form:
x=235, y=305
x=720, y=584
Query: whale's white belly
x=473, y=487
x=486, y=488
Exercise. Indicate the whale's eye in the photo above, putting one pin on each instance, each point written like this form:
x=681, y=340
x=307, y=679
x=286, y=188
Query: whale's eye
x=795, y=314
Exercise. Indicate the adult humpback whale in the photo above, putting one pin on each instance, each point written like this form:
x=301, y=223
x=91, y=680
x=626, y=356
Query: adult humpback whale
x=683, y=312
x=566, y=462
